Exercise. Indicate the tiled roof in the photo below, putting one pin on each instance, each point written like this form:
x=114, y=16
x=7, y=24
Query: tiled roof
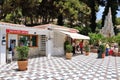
x=46, y=26
x=10, y=24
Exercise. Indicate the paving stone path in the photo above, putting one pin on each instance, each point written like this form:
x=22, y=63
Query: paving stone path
x=80, y=67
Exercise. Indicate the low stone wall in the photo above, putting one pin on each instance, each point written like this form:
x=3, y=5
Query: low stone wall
x=34, y=51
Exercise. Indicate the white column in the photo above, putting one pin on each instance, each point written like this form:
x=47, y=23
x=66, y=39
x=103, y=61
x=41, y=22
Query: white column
x=49, y=42
x=49, y=48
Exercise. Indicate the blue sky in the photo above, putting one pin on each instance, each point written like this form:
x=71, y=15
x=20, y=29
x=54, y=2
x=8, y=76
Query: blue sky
x=99, y=14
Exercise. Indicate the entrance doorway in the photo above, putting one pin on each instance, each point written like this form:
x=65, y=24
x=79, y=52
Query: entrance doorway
x=12, y=43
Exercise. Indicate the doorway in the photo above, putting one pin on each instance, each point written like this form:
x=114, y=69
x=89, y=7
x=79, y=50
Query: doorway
x=12, y=43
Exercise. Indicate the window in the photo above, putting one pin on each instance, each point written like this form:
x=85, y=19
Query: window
x=43, y=42
x=28, y=40
x=34, y=40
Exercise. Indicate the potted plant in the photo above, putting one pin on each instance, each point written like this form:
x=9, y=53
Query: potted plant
x=101, y=51
x=68, y=51
x=86, y=49
x=22, y=57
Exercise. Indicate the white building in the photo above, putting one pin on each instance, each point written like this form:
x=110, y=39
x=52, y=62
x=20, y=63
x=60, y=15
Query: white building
x=43, y=39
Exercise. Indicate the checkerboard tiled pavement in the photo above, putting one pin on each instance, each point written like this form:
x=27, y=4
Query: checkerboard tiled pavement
x=81, y=67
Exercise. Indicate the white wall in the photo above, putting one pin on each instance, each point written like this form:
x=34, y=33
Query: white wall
x=2, y=46
x=58, y=46
x=3, y=28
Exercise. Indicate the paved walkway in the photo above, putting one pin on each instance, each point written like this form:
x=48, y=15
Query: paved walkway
x=81, y=67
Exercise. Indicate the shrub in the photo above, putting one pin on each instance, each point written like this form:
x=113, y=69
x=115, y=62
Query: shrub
x=86, y=48
x=22, y=52
x=69, y=48
x=102, y=48
x=117, y=38
x=94, y=38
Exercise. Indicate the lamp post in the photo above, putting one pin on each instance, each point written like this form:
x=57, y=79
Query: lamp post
x=49, y=42
x=50, y=35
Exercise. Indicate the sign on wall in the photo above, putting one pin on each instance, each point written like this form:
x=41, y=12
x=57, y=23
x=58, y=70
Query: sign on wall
x=16, y=31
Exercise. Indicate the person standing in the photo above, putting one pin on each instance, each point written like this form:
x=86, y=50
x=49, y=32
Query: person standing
x=107, y=49
x=12, y=46
x=73, y=45
x=81, y=46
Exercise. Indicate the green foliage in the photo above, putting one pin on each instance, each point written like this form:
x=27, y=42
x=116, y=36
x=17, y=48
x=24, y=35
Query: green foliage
x=102, y=48
x=78, y=28
x=66, y=43
x=71, y=9
x=99, y=24
x=117, y=38
x=69, y=48
x=87, y=49
x=31, y=12
x=83, y=30
x=22, y=52
x=14, y=16
x=110, y=39
x=60, y=20
x=94, y=38
x=114, y=8
x=118, y=21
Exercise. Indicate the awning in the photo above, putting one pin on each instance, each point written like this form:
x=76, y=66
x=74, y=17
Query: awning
x=75, y=35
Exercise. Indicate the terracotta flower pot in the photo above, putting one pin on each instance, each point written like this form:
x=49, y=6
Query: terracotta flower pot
x=69, y=55
x=86, y=53
x=22, y=65
x=103, y=55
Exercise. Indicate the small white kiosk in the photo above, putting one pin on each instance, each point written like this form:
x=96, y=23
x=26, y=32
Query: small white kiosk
x=45, y=40
x=32, y=37
x=56, y=38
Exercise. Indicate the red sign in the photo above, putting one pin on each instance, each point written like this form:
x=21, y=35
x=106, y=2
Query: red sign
x=16, y=31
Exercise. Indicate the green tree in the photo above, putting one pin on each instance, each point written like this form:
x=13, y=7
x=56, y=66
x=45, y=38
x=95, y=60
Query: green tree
x=45, y=11
x=19, y=9
x=93, y=5
x=70, y=10
x=118, y=21
x=113, y=4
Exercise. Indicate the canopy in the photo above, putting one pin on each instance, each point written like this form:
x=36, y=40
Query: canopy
x=75, y=35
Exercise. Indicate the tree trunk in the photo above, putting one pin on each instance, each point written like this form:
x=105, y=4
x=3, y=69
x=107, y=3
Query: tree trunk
x=93, y=17
x=31, y=19
x=60, y=20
